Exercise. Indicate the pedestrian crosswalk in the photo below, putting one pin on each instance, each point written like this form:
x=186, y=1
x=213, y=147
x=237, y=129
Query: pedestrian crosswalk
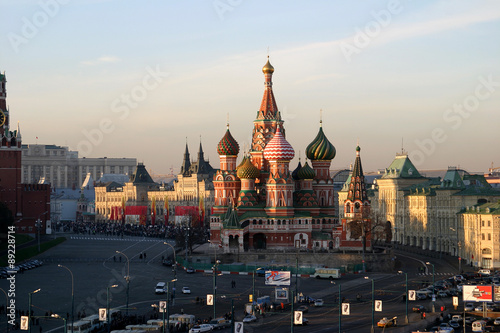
x=126, y=239
x=437, y=274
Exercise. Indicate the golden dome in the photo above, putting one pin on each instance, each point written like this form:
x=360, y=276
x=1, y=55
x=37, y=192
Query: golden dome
x=268, y=68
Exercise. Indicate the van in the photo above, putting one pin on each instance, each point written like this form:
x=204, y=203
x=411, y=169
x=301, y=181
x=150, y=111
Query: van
x=160, y=288
x=478, y=326
x=484, y=272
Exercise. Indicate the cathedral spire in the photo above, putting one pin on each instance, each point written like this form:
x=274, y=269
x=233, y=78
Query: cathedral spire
x=357, y=188
x=268, y=109
x=186, y=163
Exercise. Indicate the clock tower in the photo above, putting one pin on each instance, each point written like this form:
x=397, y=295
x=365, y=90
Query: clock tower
x=10, y=157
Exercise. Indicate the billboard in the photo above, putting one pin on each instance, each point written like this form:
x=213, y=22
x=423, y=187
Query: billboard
x=281, y=293
x=277, y=278
x=477, y=293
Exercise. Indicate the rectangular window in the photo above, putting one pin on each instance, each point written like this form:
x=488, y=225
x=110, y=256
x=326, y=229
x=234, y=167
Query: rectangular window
x=489, y=236
x=482, y=236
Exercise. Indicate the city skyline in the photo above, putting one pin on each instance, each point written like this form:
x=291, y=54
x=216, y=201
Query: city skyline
x=124, y=79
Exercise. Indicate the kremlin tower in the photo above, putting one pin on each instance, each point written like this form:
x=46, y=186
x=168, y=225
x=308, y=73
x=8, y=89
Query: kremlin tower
x=27, y=203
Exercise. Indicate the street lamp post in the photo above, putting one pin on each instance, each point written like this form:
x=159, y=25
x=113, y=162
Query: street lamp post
x=174, y=270
x=55, y=315
x=433, y=287
x=38, y=222
x=215, y=283
x=187, y=241
x=29, y=308
x=373, y=303
x=107, y=305
x=340, y=310
x=406, y=295
x=127, y=278
x=72, y=294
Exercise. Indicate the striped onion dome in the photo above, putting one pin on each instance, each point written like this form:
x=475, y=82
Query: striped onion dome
x=228, y=145
x=278, y=148
x=321, y=149
x=306, y=172
x=247, y=170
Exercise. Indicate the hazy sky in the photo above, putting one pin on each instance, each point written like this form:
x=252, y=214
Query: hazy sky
x=136, y=78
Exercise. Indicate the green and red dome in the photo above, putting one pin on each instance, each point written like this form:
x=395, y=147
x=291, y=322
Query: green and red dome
x=228, y=145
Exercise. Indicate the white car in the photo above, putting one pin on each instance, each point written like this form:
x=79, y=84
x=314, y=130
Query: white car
x=186, y=290
x=497, y=321
x=201, y=328
x=160, y=288
x=318, y=302
x=249, y=319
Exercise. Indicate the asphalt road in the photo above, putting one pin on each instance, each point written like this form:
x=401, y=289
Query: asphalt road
x=95, y=266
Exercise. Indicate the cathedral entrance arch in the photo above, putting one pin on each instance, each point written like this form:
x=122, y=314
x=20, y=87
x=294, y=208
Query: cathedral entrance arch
x=246, y=242
x=233, y=241
x=259, y=241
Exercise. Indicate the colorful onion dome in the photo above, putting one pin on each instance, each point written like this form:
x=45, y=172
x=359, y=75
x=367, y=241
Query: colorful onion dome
x=321, y=148
x=247, y=170
x=306, y=172
x=295, y=172
x=268, y=68
x=278, y=148
x=241, y=163
x=228, y=145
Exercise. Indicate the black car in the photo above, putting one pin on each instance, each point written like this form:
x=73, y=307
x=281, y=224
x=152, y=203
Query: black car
x=419, y=308
x=167, y=262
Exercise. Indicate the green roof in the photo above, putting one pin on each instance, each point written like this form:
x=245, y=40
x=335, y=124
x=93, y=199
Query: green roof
x=487, y=208
x=452, y=179
x=401, y=167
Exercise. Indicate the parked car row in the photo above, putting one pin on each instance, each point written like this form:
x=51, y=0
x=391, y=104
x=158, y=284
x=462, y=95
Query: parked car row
x=27, y=265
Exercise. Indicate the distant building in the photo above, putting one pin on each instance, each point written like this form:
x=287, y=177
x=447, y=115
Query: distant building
x=62, y=168
x=139, y=200
x=410, y=209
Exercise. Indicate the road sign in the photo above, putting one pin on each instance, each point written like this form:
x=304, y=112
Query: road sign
x=297, y=317
x=378, y=306
x=163, y=306
x=412, y=295
x=210, y=299
x=346, y=311
x=102, y=314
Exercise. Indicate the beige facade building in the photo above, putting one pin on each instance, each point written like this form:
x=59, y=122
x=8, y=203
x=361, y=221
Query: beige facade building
x=145, y=201
x=424, y=211
x=480, y=235
x=62, y=168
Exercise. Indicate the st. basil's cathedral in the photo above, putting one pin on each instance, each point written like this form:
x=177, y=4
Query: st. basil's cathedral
x=261, y=204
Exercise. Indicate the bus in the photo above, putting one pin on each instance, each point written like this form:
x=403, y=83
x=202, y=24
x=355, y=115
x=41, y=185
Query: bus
x=95, y=323
x=81, y=326
x=327, y=273
x=143, y=327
